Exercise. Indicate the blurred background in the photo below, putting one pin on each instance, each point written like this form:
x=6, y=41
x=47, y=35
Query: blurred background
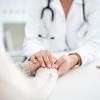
x=13, y=17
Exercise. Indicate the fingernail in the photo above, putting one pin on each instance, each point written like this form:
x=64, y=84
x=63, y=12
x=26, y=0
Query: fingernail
x=55, y=66
x=43, y=65
x=49, y=66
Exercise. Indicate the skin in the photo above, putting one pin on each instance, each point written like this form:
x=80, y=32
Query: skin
x=66, y=5
x=66, y=63
x=63, y=64
x=46, y=59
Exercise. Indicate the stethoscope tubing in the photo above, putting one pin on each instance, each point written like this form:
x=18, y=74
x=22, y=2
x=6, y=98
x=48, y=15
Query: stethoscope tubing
x=52, y=16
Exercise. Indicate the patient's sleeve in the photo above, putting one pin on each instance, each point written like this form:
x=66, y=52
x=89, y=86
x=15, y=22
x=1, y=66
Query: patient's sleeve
x=14, y=85
x=25, y=67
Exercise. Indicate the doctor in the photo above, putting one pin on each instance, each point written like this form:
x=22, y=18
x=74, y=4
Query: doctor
x=63, y=25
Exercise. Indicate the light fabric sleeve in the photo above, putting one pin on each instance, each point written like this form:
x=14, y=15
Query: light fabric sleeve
x=32, y=29
x=14, y=85
x=89, y=48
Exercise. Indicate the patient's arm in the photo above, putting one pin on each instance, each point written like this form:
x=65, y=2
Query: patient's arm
x=29, y=67
x=51, y=75
x=45, y=78
x=14, y=85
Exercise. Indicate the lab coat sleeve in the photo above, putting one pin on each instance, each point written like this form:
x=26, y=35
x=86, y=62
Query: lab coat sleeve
x=32, y=29
x=89, y=48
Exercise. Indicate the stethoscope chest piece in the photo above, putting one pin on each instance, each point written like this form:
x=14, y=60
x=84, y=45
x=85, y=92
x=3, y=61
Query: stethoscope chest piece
x=45, y=37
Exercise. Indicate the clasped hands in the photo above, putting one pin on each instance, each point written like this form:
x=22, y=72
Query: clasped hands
x=44, y=58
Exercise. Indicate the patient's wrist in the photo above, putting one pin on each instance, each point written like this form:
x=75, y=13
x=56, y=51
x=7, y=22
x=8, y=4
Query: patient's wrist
x=29, y=67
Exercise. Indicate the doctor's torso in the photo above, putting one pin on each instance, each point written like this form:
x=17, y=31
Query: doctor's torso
x=67, y=32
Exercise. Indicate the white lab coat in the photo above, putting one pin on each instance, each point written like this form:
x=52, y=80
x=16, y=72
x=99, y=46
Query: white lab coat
x=71, y=33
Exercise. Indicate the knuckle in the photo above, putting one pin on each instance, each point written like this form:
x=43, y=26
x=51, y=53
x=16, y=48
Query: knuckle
x=31, y=59
x=41, y=51
x=47, y=61
x=49, y=55
x=37, y=52
x=46, y=51
x=40, y=58
x=62, y=59
x=38, y=55
x=43, y=54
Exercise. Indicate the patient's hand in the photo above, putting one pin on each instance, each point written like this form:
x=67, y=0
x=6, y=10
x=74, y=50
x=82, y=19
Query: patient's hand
x=29, y=67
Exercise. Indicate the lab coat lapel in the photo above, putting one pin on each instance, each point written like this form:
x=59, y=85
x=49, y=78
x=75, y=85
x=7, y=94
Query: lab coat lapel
x=57, y=6
x=72, y=12
x=73, y=23
x=73, y=9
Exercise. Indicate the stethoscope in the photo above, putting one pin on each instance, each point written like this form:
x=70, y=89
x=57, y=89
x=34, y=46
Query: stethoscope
x=53, y=15
x=52, y=19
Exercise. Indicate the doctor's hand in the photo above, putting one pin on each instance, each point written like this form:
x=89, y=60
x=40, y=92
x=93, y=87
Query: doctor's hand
x=44, y=57
x=65, y=63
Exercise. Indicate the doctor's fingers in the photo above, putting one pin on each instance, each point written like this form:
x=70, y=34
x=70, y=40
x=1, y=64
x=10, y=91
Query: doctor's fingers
x=38, y=57
x=63, y=69
x=47, y=58
x=51, y=58
x=59, y=62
